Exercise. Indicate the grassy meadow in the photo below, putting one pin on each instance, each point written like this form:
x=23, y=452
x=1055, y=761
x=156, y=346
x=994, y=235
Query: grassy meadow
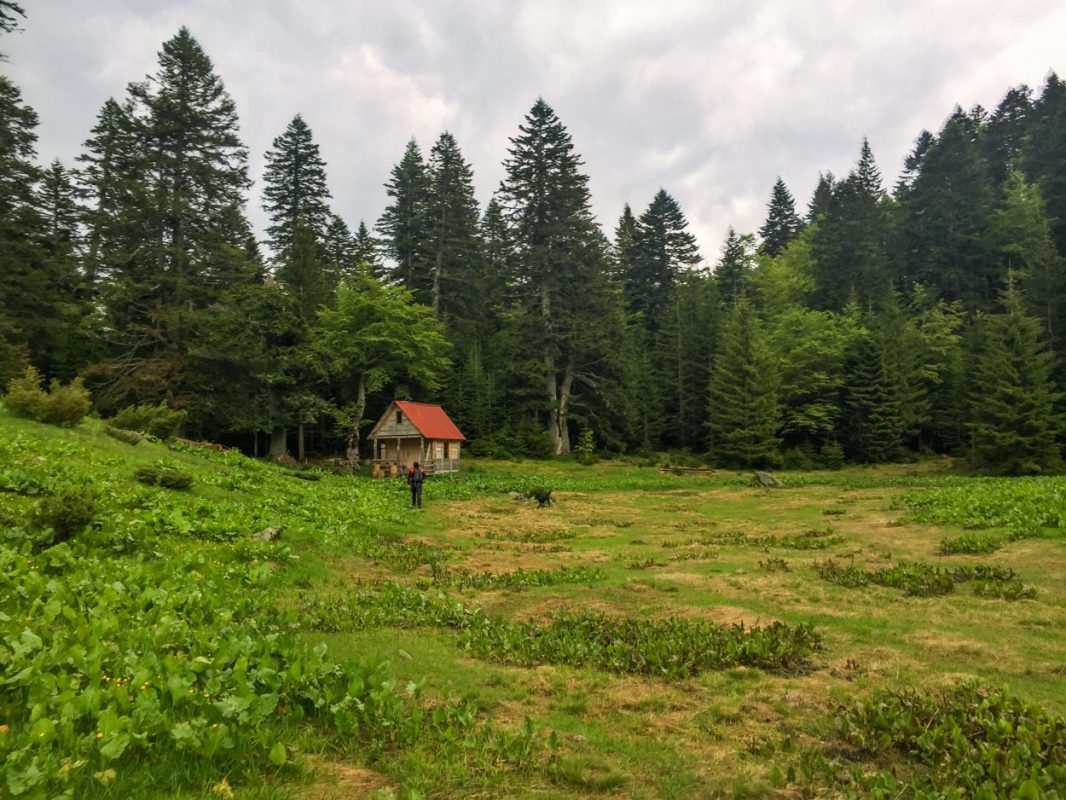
x=649, y=635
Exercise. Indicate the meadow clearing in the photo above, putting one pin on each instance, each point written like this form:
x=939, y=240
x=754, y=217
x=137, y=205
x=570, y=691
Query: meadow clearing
x=893, y=631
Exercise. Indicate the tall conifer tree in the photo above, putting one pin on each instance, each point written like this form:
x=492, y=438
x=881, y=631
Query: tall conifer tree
x=561, y=259
x=782, y=222
x=1014, y=425
x=454, y=247
x=295, y=194
x=744, y=409
x=405, y=225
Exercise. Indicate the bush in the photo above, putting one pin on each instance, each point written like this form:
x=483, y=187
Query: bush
x=123, y=435
x=586, y=448
x=65, y=406
x=167, y=477
x=66, y=514
x=160, y=421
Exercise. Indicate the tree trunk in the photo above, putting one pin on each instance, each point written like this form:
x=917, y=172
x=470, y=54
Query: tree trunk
x=561, y=432
x=279, y=443
x=300, y=443
x=352, y=447
x=279, y=440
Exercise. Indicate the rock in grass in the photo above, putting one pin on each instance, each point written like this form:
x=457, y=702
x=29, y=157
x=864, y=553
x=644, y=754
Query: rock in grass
x=268, y=534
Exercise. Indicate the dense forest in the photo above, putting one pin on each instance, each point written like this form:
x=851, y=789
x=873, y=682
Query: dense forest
x=872, y=323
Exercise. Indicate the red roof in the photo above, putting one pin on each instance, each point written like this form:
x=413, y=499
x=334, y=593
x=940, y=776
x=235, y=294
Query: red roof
x=430, y=420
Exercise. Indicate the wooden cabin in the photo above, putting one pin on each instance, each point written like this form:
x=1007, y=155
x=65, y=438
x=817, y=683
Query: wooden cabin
x=408, y=432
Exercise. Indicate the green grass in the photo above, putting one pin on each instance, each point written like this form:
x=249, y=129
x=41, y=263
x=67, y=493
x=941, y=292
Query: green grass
x=488, y=647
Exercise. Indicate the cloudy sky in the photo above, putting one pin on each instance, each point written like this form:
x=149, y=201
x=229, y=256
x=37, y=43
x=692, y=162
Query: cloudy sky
x=710, y=100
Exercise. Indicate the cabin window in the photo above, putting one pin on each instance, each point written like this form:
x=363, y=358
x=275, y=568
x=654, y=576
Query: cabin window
x=446, y=450
x=399, y=417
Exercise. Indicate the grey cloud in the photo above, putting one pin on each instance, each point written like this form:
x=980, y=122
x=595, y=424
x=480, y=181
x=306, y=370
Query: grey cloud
x=709, y=100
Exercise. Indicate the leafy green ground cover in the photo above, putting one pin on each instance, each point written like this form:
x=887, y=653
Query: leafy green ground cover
x=488, y=647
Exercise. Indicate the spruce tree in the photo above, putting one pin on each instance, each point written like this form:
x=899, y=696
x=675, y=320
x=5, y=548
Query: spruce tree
x=743, y=408
x=1014, y=425
x=339, y=256
x=179, y=219
x=821, y=197
x=1023, y=236
x=367, y=251
x=944, y=219
x=1003, y=138
x=663, y=248
x=561, y=262
x=113, y=178
x=1043, y=159
x=733, y=270
x=404, y=227
x=295, y=194
x=849, y=244
x=872, y=418
x=453, y=246
x=26, y=290
x=197, y=177
x=782, y=223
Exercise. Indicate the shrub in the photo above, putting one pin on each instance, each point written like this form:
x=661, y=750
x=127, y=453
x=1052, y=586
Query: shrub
x=166, y=477
x=160, y=421
x=123, y=435
x=586, y=448
x=66, y=514
x=65, y=406
x=25, y=397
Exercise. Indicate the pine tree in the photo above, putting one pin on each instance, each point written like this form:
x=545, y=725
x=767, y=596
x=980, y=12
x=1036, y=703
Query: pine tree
x=912, y=164
x=945, y=240
x=198, y=175
x=1014, y=425
x=112, y=175
x=1042, y=158
x=871, y=412
x=822, y=196
x=179, y=219
x=1004, y=137
x=624, y=248
x=733, y=270
x=367, y=251
x=405, y=225
x=849, y=244
x=662, y=249
x=782, y=223
x=338, y=249
x=453, y=246
x=744, y=409
x=295, y=194
x=1023, y=235
x=561, y=261
x=25, y=291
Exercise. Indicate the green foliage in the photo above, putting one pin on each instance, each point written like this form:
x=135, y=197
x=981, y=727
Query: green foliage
x=165, y=476
x=744, y=409
x=519, y=579
x=917, y=578
x=586, y=448
x=1022, y=505
x=65, y=406
x=1015, y=424
x=774, y=564
x=123, y=435
x=671, y=648
x=65, y=514
x=972, y=543
x=160, y=421
x=966, y=741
